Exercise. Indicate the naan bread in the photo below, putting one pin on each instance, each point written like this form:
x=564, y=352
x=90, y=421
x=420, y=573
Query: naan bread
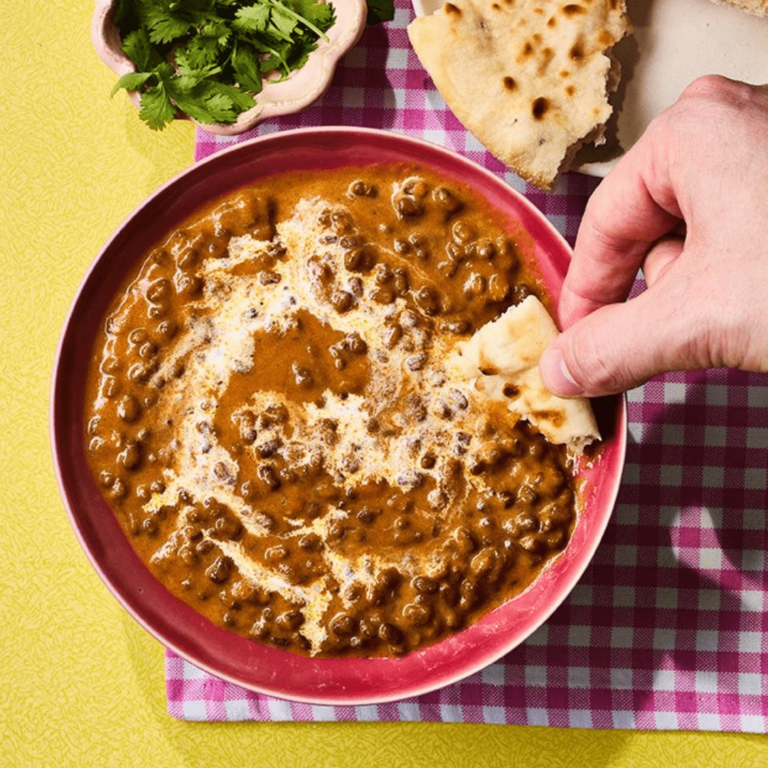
x=527, y=77
x=503, y=358
x=755, y=7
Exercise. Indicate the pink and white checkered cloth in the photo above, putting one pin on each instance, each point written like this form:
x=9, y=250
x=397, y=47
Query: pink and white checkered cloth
x=668, y=628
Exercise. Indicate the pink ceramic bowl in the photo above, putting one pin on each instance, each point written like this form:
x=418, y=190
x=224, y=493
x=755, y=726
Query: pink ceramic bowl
x=299, y=90
x=176, y=625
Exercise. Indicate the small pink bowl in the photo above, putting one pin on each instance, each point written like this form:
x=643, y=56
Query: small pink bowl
x=299, y=90
x=175, y=624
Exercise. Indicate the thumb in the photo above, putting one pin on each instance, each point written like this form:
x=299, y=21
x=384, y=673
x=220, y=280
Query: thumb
x=620, y=346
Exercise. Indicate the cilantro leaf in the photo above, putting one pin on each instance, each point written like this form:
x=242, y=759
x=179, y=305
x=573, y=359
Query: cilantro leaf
x=300, y=54
x=252, y=18
x=199, y=52
x=275, y=58
x=279, y=7
x=191, y=78
x=239, y=97
x=139, y=50
x=204, y=108
x=283, y=21
x=380, y=10
x=132, y=81
x=217, y=29
x=168, y=29
x=149, y=12
x=246, y=68
x=221, y=108
x=166, y=20
x=322, y=15
x=162, y=14
x=156, y=107
x=123, y=12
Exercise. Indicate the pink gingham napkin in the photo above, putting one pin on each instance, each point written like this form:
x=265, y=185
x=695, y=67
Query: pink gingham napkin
x=668, y=628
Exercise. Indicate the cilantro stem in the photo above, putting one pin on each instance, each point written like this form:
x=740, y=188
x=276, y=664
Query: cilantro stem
x=319, y=32
x=283, y=63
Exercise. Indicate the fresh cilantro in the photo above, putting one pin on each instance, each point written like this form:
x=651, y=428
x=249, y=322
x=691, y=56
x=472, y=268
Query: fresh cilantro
x=246, y=67
x=380, y=10
x=320, y=14
x=281, y=11
x=252, y=18
x=156, y=108
x=199, y=52
x=207, y=58
x=139, y=50
x=167, y=30
x=283, y=22
x=122, y=13
x=186, y=82
x=240, y=98
x=133, y=81
x=205, y=104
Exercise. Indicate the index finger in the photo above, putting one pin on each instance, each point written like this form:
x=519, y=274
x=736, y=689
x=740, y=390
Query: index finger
x=632, y=208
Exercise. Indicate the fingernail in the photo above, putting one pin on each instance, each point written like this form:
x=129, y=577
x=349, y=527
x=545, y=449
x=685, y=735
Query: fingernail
x=556, y=376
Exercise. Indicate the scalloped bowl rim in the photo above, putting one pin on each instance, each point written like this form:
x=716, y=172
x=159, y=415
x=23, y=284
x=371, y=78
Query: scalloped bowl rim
x=293, y=94
x=224, y=654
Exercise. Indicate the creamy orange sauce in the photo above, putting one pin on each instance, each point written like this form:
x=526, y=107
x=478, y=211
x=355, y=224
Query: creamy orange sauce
x=272, y=419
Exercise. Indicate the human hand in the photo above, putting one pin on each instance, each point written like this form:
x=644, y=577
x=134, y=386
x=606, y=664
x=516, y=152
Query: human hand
x=689, y=204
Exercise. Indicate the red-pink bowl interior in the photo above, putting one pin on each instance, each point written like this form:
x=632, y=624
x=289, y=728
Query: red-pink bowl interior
x=256, y=666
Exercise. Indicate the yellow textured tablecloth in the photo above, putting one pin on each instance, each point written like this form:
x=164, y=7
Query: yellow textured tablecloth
x=80, y=683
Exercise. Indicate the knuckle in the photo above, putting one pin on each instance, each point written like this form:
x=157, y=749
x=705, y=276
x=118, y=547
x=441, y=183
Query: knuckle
x=720, y=92
x=603, y=238
x=608, y=246
x=712, y=86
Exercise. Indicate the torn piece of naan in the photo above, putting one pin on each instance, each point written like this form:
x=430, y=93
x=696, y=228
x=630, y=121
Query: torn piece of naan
x=503, y=359
x=529, y=78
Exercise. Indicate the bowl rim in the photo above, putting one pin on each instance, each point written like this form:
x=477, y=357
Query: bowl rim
x=563, y=587
x=300, y=89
